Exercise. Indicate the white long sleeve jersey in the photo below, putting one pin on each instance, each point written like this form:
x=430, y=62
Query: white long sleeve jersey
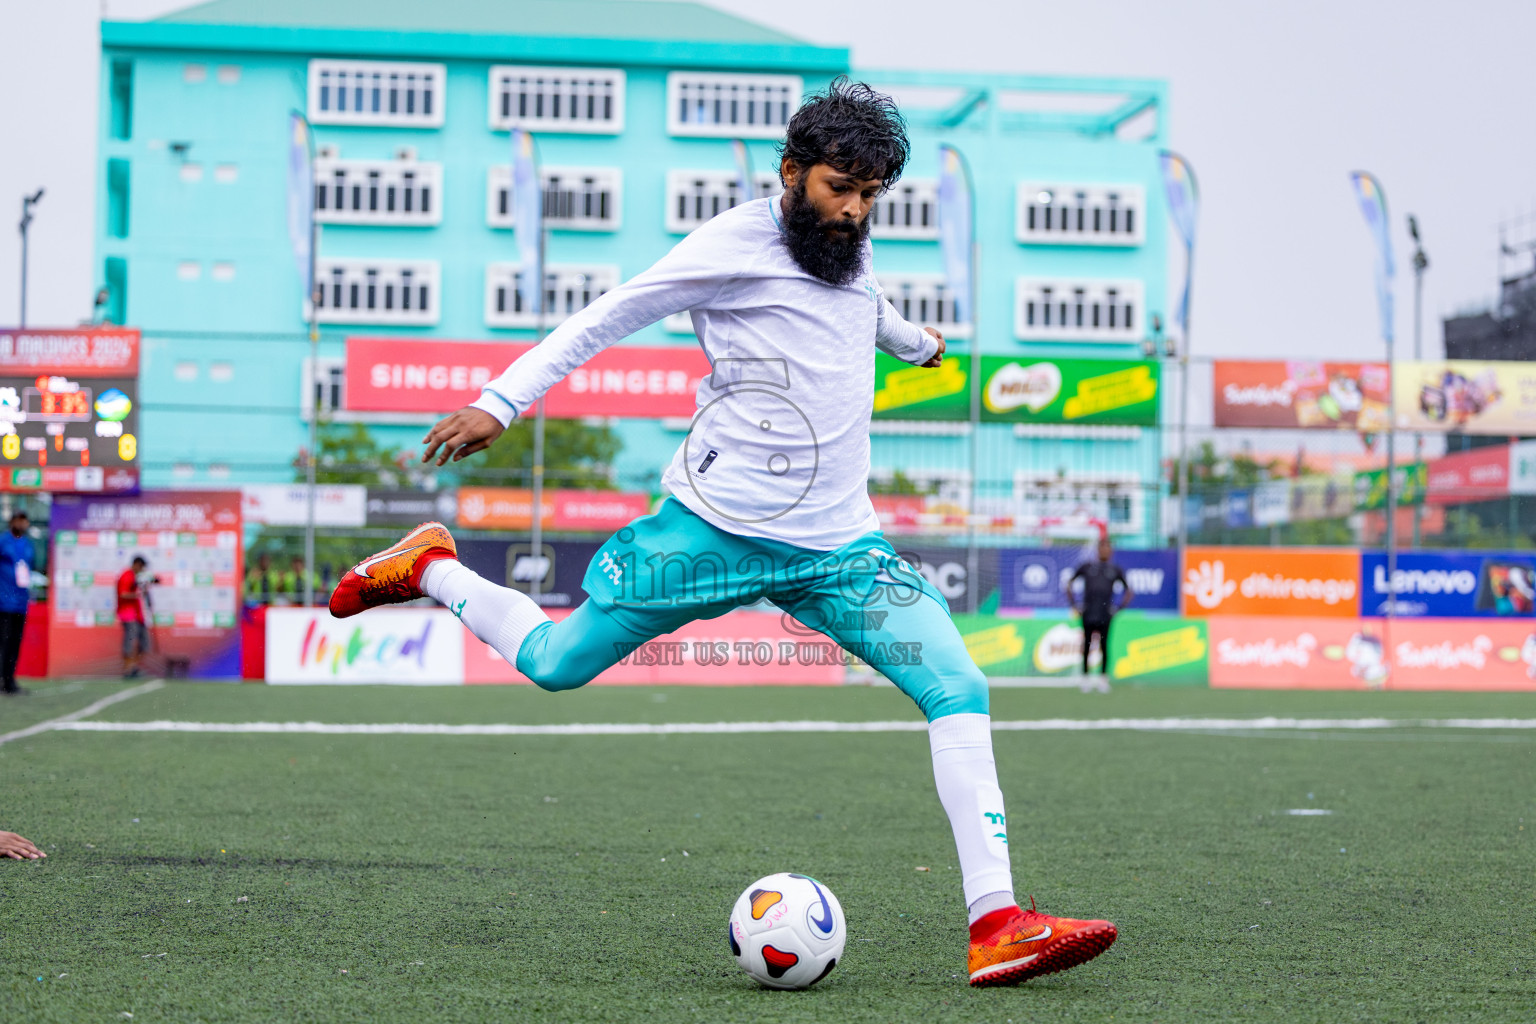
x=779, y=444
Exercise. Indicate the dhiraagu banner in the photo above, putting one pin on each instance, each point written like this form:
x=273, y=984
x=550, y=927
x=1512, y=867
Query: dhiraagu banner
x=1121, y=392
x=1111, y=391
x=1153, y=651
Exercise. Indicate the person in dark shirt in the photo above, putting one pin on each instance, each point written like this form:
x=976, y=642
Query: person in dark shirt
x=15, y=583
x=1097, y=605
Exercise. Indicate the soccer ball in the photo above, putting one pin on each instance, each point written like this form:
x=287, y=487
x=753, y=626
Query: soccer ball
x=787, y=931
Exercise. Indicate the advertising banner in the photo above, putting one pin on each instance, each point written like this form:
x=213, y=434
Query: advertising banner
x=1522, y=467
x=191, y=540
x=511, y=508
x=560, y=567
x=1037, y=578
x=288, y=504
x=1295, y=653
x=1272, y=503
x=69, y=416
x=1371, y=486
x=1272, y=581
x=1343, y=396
x=1023, y=648
x=408, y=508
x=432, y=376
x=740, y=648
x=1451, y=654
x=1452, y=584
x=1470, y=396
x=948, y=569
x=1157, y=651
x=1479, y=474
x=1021, y=390
x=422, y=646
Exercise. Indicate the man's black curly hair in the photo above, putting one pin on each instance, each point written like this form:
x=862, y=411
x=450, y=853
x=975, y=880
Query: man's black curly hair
x=850, y=127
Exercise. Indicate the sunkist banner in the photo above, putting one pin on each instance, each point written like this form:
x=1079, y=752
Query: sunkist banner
x=1018, y=390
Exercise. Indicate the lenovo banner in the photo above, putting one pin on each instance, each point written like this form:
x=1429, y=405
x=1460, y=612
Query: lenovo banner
x=1451, y=584
x=1347, y=396
x=511, y=508
x=1272, y=581
x=1479, y=474
x=431, y=376
x=1468, y=396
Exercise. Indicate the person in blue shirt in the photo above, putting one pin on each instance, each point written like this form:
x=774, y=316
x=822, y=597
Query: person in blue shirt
x=15, y=592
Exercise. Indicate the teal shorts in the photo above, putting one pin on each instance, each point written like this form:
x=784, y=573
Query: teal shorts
x=668, y=569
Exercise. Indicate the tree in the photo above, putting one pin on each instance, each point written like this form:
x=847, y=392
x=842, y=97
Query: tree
x=575, y=455
x=350, y=454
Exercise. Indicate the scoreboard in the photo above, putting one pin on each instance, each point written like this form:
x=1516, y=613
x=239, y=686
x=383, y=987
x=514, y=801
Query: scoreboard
x=69, y=416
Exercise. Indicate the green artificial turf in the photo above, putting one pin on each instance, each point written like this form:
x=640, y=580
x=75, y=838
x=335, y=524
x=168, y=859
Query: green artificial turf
x=464, y=878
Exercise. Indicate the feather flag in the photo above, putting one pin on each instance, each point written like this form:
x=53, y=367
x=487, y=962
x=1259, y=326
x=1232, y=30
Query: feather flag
x=956, y=235
x=301, y=199
x=528, y=220
x=1183, y=194
x=1373, y=204
x=743, y=171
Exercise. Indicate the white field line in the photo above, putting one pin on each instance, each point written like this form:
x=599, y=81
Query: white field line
x=70, y=723
x=65, y=721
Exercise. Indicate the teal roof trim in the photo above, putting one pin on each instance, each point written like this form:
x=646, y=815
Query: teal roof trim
x=467, y=46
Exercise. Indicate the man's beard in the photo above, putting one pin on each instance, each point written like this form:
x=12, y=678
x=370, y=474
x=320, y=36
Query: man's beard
x=831, y=250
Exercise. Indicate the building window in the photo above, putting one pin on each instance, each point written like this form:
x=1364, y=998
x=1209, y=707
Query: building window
x=229, y=74
x=392, y=192
x=115, y=280
x=122, y=99
x=693, y=197
x=1065, y=310
x=194, y=74
x=371, y=92
x=589, y=100
x=1058, y=214
x=377, y=291
x=117, y=198
x=1116, y=501
x=925, y=300
x=568, y=288
x=323, y=385
x=575, y=198
x=732, y=106
x=909, y=210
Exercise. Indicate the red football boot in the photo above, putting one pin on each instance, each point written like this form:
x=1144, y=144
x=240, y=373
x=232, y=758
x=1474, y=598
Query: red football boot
x=1013, y=945
x=394, y=574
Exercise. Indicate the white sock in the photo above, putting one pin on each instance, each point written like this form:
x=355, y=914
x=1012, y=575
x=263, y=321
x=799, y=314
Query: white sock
x=966, y=777
x=500, y=616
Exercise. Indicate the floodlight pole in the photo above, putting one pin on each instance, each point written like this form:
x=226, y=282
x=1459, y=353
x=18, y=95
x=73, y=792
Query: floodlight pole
x=27, y=202
x=1420, y=264
x=314, y=399
x=536, y=536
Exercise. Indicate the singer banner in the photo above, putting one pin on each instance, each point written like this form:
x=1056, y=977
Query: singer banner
x=1344, y=396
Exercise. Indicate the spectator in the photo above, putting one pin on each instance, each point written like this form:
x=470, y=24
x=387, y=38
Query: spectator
x=15, y=592
x=1098, y=603
x=18, y=847
x=130, y=612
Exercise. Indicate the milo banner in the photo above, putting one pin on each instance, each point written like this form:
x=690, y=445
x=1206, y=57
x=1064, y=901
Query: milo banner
x=1158, y=651
x=1122, y=392
x=1371, y=486
x=1473, y=397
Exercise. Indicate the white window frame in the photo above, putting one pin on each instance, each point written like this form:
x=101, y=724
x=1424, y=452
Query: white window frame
x=924, y=299
x=326, y=375
x=1110, y=298
x=1044, y=494
x=714, y=191
x=565, y=286
x=763, y=104
x=375, y=185
x=900, y=212
x=1079, y=207
x=417, y=85
x=388, y=278
x=558, y=191
x=595, y=88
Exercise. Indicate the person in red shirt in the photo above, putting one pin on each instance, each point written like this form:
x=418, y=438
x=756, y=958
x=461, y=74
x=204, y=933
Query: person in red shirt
x=130, y=612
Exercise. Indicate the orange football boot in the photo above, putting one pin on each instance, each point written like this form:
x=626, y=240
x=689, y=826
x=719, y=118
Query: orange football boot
x=1013, y=945
x=394, y=574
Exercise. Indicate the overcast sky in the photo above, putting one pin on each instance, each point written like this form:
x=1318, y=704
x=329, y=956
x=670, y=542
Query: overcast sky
x=1273, y=104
